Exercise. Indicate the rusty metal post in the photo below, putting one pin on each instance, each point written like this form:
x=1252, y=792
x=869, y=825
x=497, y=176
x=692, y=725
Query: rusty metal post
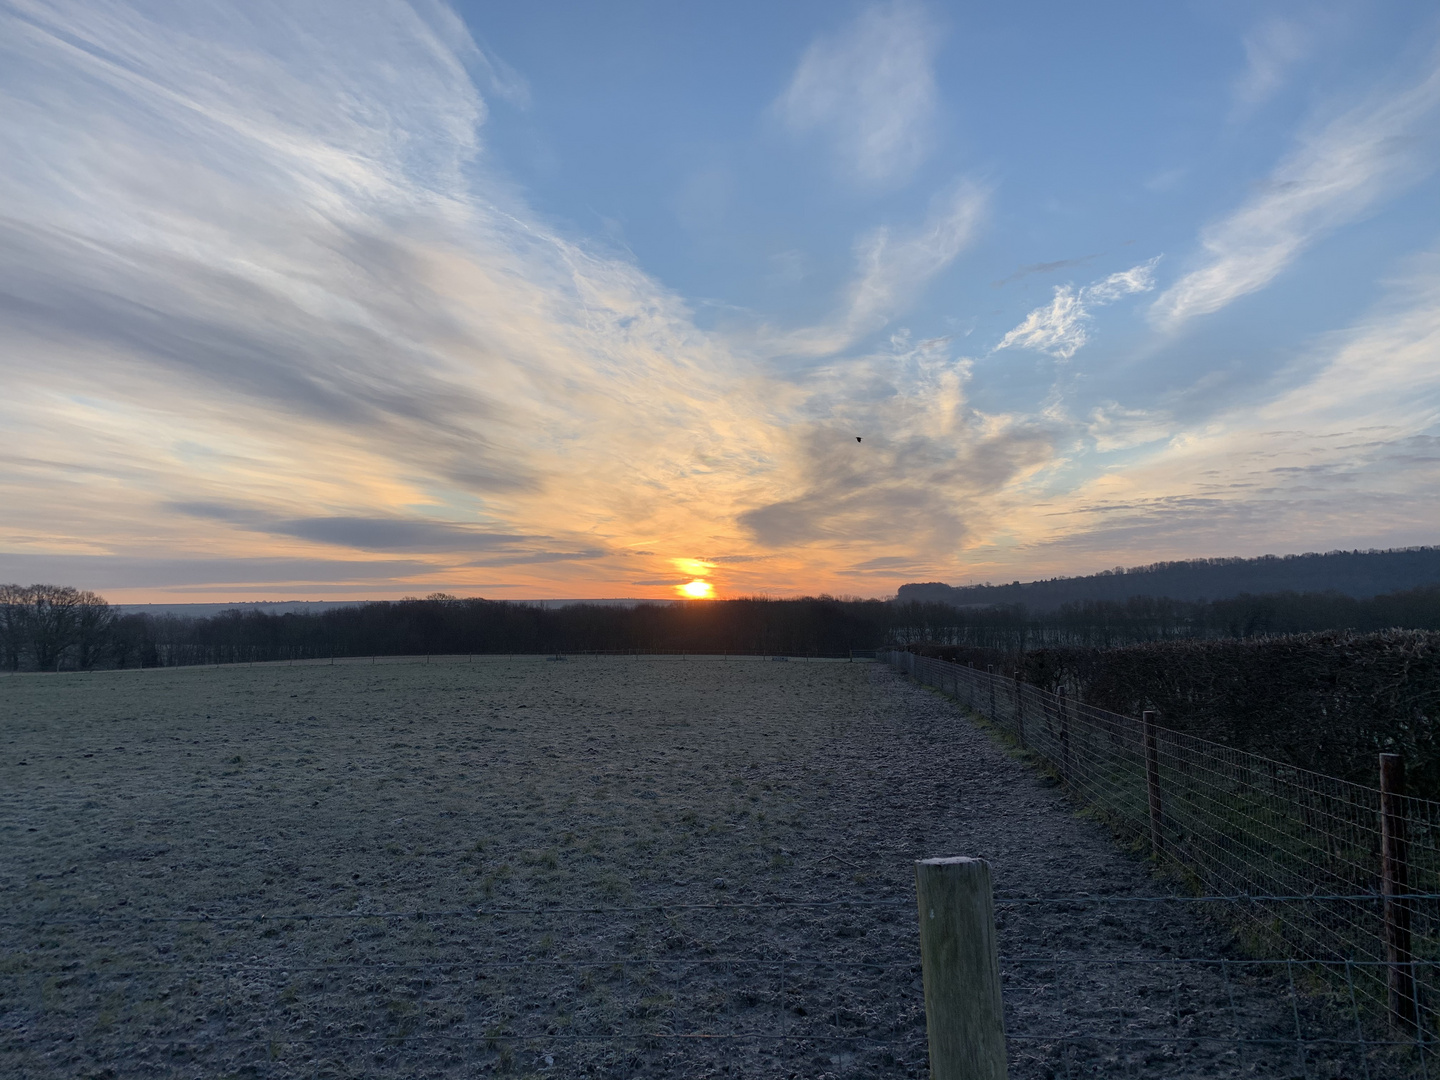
x=1152, y=783
x=1394, y=885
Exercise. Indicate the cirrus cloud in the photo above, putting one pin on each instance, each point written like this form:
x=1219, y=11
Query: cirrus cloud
x=1337, y=174
x=1063, y=327
x=871, y=90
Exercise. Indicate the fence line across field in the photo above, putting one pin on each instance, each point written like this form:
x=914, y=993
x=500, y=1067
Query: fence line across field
x=806, y=1010
x=660, y=907
x=1276, y=837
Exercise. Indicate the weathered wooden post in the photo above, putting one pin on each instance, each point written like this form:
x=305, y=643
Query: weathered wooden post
x=961, y=968
x=1394, y=885
x=1063, y=709
x=1019, y=710
x=1152, y=783
x=990, y=678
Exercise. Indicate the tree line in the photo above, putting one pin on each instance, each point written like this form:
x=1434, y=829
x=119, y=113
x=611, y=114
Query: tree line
x=1356, y=574
x=44, y=626
x=1140, y=619
x=48, y=628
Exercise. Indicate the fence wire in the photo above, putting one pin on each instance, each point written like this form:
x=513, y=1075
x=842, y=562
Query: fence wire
x=1298, y=853
x=771, y=988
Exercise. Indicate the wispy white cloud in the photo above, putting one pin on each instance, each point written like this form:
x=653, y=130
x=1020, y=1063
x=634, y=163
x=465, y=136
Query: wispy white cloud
x=1272, y=49
x=1063, y=327
x=1333, y=177
x=259, y=296
x=1343, y=449
x=267, y=317
x=1114, y=427
x=892, y=266
x=243, y=263
x=928, y=467
x=871, y=89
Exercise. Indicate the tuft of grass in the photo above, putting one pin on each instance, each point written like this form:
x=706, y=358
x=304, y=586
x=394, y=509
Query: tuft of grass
x=548, y=859
x=612, y=886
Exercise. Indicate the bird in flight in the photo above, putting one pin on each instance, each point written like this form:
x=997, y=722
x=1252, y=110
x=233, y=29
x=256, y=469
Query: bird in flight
x=857, y=438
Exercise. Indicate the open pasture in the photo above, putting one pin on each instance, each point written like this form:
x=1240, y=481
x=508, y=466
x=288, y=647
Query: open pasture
x=572, y=868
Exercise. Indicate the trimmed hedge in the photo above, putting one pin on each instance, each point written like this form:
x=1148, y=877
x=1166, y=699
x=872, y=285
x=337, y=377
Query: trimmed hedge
x=1328, y=702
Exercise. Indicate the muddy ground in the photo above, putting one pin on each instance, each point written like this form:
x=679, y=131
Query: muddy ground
x=597, y=867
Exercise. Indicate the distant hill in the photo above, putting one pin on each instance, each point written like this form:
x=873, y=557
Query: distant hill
x=1360, y=574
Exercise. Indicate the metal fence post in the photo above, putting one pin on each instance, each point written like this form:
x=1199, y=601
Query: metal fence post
x=1152, y=783
x=960, y=962
x=1019, y=710
x=1394, y=884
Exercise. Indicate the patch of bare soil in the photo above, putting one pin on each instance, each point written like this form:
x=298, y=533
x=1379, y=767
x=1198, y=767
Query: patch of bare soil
x=598, y=867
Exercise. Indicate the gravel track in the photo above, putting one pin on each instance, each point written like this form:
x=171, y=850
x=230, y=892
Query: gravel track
x=497, y=796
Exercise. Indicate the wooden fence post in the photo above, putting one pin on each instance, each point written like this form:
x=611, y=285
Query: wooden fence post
x=1152, y=783
x=990, y=678
x=1019, y=710
x=961, y=969
x=1394, y=884
x=1063, y=709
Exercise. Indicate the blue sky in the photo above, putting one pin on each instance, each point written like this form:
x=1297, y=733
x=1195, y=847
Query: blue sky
x=583, y=300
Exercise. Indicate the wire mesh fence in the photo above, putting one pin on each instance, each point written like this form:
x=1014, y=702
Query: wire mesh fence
x=1298, y=854
x=750, y=989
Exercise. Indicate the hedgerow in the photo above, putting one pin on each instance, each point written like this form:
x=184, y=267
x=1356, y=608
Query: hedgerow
x=1328, y=702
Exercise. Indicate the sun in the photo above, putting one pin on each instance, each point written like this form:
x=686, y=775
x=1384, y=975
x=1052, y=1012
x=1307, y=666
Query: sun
x=697, y=590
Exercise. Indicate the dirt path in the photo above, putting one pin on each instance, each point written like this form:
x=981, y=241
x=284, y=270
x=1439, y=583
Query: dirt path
x=612, y=856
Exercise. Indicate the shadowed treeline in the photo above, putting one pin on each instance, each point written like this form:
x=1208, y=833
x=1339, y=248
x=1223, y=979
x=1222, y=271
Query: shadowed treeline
x=1104, y=624
x=445, y=624
x=50, y=628
x=1358, y=574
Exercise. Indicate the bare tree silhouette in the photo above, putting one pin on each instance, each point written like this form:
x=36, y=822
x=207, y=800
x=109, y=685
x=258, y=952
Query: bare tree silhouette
x=46, y=623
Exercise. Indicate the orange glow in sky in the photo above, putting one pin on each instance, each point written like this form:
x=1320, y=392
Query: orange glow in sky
x=264, y=408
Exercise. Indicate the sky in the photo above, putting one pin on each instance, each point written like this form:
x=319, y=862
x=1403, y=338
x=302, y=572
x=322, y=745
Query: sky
x=369, y=299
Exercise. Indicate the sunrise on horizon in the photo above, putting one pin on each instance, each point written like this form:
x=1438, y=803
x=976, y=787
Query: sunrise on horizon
x=368, y=300
x=861, y=540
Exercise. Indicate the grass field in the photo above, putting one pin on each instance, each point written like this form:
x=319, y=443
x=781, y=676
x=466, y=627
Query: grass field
x=447, y=787
x=611, y=867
